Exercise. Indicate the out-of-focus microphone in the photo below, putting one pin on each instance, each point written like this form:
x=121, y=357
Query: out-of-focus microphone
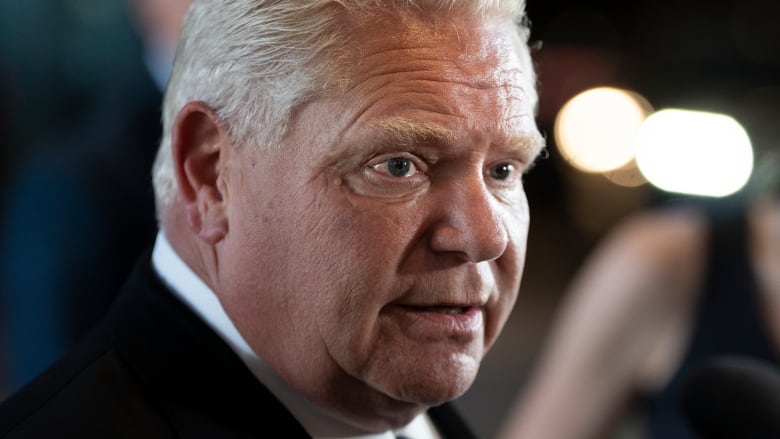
x=733, y=397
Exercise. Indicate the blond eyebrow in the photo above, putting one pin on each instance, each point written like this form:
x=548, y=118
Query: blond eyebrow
x=406, y=132
x=534, y=142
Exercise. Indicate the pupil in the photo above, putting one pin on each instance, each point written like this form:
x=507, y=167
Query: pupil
x=502, y=171
x=398, y=166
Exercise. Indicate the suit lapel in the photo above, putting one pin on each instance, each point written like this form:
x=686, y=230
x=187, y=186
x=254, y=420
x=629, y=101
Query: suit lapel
x=450, y=423
x=194, y=378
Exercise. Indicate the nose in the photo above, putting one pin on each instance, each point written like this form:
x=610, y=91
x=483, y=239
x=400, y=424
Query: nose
x=471, y=225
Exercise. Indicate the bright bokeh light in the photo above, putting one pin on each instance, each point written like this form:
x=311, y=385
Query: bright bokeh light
x=695, y=153
x=595, y=131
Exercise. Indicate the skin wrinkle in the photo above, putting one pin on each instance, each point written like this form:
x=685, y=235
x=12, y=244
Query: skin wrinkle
x=437, y=107
x=410, y=65
x=412, y=50
x=410, y=132
x=511, y=76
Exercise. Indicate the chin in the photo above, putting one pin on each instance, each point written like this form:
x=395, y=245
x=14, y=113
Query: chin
x=436, y=384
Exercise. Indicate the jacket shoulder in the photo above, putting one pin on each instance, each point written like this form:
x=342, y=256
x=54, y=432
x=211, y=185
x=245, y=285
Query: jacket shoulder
x=90, y=393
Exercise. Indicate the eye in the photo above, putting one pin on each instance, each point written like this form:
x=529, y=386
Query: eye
x=399, y=167
x=505, y=171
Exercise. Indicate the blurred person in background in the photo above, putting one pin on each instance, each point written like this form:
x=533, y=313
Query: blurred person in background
x=668, y=289
x=79, y=209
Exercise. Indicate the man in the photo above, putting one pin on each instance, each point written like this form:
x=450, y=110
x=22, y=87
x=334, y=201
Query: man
x=342, y=228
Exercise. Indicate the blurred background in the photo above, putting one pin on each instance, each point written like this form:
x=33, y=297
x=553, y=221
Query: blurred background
x=618, y=77
x=57, y=59
x=617, y=80
x=81, y=83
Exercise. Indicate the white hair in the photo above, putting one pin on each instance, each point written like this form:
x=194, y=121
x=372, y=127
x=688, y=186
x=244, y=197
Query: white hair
x=254, y=61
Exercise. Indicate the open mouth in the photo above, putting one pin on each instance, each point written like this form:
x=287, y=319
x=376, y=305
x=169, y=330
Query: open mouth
x=440, y=322
x=443, y=309
x=453, y=310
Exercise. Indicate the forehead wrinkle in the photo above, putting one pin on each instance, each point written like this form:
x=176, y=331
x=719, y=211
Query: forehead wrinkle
x=407, y=132
x=430, y=64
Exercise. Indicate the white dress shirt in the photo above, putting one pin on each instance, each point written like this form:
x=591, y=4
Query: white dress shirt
x=191, y=290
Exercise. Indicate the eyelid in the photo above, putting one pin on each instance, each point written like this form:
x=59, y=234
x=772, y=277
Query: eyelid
x=421, y=165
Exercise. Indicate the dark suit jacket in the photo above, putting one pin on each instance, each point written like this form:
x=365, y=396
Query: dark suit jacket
x=153, y=369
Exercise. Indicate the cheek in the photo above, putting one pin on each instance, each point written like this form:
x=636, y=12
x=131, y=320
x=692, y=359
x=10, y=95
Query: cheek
x=350, y=258
x=341, y=256
x=374, y=234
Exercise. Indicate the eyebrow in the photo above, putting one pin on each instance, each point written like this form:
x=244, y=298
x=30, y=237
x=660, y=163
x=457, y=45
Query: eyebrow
x=406, y=132
x=534, y=142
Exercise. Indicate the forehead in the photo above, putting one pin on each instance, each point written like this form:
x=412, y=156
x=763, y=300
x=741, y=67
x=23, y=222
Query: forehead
x=465, y=75
x=483, y=51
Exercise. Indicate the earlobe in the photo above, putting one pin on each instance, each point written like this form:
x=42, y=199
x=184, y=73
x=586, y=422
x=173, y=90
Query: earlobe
x=200, y=145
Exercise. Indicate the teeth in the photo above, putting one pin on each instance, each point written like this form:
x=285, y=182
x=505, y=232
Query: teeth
x=447, y=310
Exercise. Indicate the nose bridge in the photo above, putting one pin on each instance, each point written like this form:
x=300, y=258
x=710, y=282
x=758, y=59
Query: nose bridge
x=472, y=223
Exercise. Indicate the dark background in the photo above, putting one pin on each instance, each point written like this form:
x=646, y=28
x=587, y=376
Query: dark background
x=57, y=57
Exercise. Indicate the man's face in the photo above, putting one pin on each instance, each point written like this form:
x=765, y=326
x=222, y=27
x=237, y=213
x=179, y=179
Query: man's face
x=374, y=257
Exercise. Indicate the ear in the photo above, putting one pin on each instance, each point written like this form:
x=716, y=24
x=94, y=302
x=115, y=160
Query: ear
x=200, y=145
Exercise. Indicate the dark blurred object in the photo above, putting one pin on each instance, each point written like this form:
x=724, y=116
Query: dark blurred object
x=731, y=314
x=75, y=213
x=78, y=205
x=58, y=57
x=734, y=396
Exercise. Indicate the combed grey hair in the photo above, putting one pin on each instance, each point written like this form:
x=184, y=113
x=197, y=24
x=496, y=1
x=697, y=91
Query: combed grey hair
x=254, y=61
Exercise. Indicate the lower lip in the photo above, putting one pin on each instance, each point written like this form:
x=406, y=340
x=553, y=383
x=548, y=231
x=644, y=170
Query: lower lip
x=425, y=324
